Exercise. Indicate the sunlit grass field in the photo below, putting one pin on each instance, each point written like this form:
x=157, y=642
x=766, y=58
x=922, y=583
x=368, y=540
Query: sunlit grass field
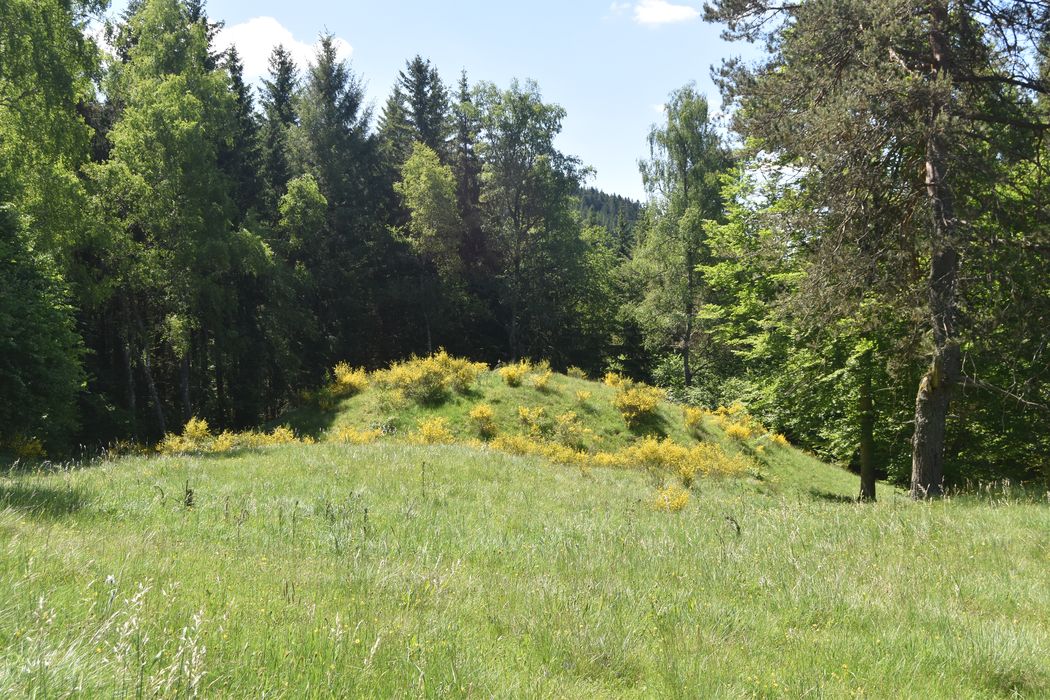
x=394, y=570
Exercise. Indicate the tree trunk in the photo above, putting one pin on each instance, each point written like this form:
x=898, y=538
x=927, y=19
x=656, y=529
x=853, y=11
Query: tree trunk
x=129, y=379
x=931, y=403
x=154, y=396
x=866, y=408
x=686, y=366
x=184, y=387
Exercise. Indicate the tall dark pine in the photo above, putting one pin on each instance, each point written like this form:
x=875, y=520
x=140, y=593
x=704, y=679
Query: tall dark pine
x=240, y=158
x=426, y=104
x=335, y=147
x=466, y=165
x=279, y=116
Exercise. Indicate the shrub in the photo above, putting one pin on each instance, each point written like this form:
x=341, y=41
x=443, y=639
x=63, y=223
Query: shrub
x=515, y=374
x=352, y=436
x=738, y=431
x=28, y=448
x=541, y=381
x=671, y=499
x=195, y=437
x=196, y=430
x=430, y=380
x=694, y=417
x=527, y=446
x=780, y=440
x=583, y=396
x=433, y=431
x=576, y=373
x=712, y=460
x=614, y=380
x=224, y=442
x=349, y=381
x=569, y=431
x=484, y=420
x=635, y=401
x=530, y=418
x=281, y=435
x=736, y=422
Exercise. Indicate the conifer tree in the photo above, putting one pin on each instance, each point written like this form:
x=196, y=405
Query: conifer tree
x=279, y=117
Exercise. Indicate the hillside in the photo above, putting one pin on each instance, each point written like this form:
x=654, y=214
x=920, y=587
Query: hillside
x=587, y=406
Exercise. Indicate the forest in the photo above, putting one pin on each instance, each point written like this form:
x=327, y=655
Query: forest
x=855, y=245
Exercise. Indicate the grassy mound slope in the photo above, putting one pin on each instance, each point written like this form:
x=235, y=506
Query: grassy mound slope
x=395, y=570
x=779, y=466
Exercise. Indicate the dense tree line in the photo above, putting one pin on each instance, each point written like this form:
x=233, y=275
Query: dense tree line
x=862, y=260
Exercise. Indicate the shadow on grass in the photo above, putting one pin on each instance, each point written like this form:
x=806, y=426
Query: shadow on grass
x=40, y=502
x=831, y=497
x=308, y=419
x=652, y=425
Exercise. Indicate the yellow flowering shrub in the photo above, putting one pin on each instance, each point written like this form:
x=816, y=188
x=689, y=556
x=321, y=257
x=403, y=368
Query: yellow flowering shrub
x=583, y=396
x=694, y=417
x=568, y=430
x=635, y=401
x=780, y=440
x=195, y=437
x=484, y=419
x=668, y=457
x=224, y=442
x=196, y=430
x=433, y=431
x=430, y=380
x=576, y=373
x=531, y=417
x=736, y=422
x=28, y=448
x=527, y=446
x=353, y=436
x=711, y=460
x=671, y=499
x=514, y=375
x=541, y=381
x=614, y=380
x=738, y=431
x=349, y=381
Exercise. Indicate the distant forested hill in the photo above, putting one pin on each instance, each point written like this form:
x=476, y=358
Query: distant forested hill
x=617, y=214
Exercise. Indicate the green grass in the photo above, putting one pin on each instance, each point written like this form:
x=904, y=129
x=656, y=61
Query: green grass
x=396, y=570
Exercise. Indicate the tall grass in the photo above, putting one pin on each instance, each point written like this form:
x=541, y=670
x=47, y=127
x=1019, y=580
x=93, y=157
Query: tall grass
x=386, y=570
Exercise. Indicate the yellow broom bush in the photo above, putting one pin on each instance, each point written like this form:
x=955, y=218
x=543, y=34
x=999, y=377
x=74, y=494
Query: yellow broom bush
x=513, y=375
x=637, y=401
x=671, y=499
x=349, y=381
x=353, y=436
x=484, y=419
x=433, y=431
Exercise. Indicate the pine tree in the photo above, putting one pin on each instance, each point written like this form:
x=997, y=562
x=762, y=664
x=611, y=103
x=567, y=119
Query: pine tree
x=279, y=117
x=426, y=104
x=240, y=157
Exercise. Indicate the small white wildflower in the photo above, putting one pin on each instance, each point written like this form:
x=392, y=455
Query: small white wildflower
x=111, y=580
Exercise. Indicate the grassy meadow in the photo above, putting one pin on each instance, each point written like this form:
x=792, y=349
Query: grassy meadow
x=394, y=569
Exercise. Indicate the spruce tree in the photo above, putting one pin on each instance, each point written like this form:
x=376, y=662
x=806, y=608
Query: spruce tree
x=279, y=117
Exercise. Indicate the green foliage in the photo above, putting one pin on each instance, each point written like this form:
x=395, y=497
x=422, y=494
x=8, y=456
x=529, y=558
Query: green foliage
x=40, y=372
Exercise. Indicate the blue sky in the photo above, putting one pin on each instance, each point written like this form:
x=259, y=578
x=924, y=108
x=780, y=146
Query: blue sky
x=609, y=65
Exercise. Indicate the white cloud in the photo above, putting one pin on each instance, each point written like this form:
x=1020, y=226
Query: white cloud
x=256, y=38
x=656, y=12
